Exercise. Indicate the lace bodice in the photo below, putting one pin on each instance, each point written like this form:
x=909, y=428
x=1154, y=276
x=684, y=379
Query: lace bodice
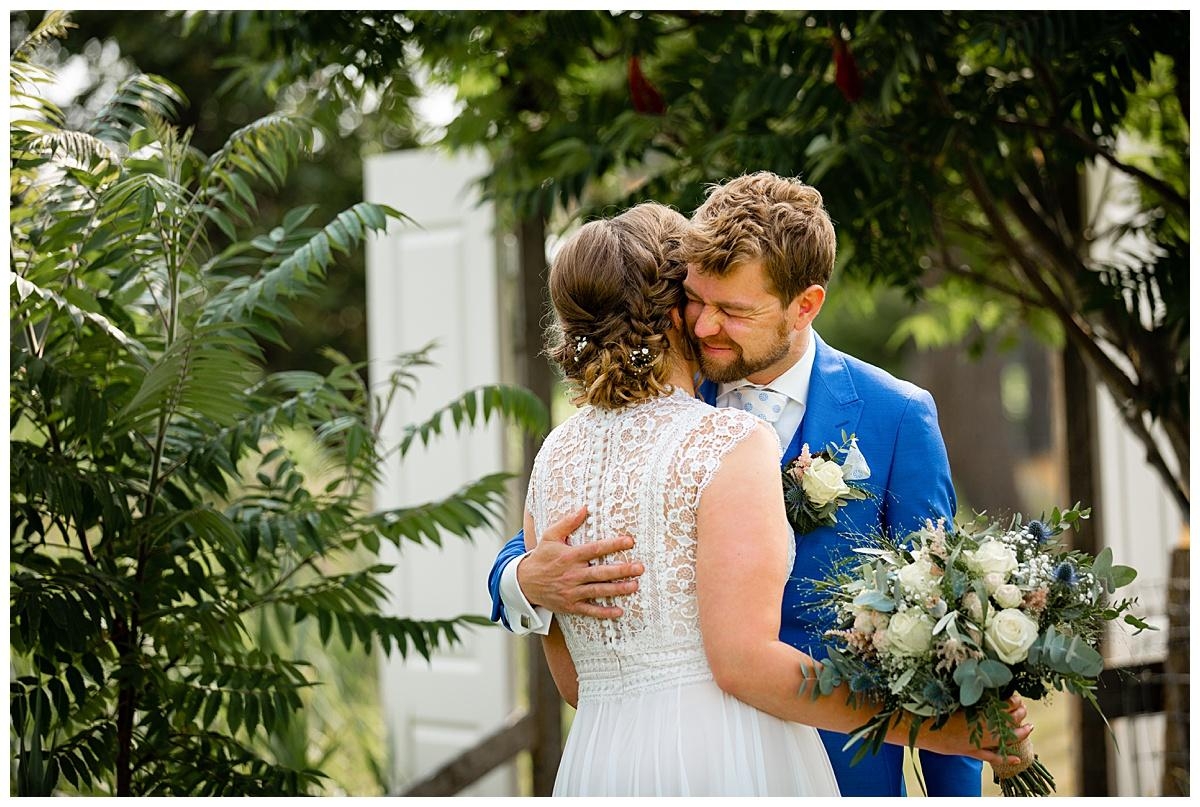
x=641, y=471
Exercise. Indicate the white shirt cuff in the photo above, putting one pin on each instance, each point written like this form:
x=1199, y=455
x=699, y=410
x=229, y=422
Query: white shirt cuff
x=523, y=618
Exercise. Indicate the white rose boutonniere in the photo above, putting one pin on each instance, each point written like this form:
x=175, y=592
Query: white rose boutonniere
x=816, y=485
x=823, y=482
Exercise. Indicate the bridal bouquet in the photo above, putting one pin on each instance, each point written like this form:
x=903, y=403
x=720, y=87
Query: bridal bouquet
x=954, y=619
x=816, y=485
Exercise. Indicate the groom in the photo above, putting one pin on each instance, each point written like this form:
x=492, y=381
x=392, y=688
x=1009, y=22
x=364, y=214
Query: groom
x=760, y=253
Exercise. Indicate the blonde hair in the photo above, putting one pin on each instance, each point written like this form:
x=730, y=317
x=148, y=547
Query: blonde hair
x=765, y=217
x=613, y=286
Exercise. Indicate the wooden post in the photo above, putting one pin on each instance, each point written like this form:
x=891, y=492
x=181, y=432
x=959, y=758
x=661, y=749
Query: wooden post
x=1177, y=751
x=545, y=705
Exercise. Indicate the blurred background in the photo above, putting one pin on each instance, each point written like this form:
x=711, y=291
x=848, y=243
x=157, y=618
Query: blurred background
x=1011, y=195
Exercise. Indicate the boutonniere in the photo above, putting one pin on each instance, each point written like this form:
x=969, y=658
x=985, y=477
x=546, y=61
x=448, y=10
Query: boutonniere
x=816, y=485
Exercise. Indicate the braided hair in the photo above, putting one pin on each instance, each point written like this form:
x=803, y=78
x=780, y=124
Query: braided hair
x=613, y=286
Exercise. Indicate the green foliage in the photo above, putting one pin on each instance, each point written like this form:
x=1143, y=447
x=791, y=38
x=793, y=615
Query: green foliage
x=159, y=517
x=951, y=148
x=1068, y=655
x=959, y=152
x=211, y=60
x=974, y=676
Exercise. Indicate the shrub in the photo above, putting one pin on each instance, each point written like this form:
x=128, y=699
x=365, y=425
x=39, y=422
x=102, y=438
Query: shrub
x=158, y=519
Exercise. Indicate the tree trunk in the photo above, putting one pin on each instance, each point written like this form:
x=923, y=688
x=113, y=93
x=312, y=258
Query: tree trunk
x=1083, y=486
x=126, y=707
x=544, y=701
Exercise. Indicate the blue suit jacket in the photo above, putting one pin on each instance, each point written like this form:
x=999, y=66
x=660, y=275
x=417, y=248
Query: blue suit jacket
x=896, y=426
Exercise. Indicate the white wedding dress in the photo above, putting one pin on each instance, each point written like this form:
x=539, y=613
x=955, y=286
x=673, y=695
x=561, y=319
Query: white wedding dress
x=650, y=720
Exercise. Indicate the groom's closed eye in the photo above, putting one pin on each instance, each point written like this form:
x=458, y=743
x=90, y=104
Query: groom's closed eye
x=724, y=309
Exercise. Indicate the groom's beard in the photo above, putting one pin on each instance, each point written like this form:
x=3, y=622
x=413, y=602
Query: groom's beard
x=743, y=362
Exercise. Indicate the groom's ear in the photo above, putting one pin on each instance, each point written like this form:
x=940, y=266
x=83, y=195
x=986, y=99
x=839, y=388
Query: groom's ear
x=805, y=306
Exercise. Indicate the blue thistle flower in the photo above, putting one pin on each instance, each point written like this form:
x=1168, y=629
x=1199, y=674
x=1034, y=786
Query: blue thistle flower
x=938, y=695
x=1038, y=530
x=862, y=682
x=1065, y=573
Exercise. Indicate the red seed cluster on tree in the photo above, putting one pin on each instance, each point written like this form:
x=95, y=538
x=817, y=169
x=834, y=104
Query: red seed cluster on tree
x=847, y=77
x=646, y=99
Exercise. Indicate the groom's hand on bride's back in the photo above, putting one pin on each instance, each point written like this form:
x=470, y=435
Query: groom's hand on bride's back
x=569, y=579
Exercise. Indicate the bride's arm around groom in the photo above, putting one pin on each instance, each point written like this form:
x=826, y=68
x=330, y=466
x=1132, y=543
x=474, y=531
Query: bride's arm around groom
x=742, y=543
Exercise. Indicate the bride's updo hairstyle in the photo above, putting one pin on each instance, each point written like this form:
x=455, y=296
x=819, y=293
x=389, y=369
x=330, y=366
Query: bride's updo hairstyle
x=613, y=286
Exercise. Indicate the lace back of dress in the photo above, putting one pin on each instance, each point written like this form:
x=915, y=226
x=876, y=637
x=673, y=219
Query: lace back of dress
x=640, y=471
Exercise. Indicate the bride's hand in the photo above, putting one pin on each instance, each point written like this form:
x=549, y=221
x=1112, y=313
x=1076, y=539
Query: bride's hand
x=955, y=736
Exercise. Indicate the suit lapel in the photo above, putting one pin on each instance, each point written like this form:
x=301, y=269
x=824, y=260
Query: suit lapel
x=833, y=403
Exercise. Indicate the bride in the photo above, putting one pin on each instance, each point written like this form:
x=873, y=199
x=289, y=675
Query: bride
x=691, y=692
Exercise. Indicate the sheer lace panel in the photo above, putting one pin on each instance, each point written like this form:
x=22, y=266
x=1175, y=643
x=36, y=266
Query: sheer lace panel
x=640, y=471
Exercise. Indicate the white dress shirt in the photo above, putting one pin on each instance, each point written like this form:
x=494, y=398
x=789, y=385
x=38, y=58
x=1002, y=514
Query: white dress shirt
x=793, y=383
x=525, y=618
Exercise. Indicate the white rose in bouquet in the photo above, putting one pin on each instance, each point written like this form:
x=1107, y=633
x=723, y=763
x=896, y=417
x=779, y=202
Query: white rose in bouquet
x=910, y=633
x=1010, y=633
x=992, y=557
x=1008, y=596
x=918, y=576
x=823, y=482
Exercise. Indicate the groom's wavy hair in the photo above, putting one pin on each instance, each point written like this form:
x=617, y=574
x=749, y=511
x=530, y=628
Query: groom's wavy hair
x=764, y=217
x=613, y=286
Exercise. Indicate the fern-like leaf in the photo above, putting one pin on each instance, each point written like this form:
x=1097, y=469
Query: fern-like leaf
x=204, y=374
x=265, y=149
x=478, y=405
x=54, y=25
x=474, y=505
x=26, y=289
x=128, y=110
x=304, y=268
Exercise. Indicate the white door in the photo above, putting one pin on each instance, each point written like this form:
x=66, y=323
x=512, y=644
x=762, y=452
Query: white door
x=437, y=279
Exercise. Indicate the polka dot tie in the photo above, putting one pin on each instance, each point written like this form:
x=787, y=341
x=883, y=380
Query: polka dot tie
x=766, y=403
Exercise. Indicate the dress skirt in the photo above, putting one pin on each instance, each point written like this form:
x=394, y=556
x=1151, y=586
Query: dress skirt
x=690, y=739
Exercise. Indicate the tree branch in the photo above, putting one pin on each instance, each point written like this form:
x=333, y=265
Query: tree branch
x=1077, y=329
x=1124, y=389
x=955, y=268
x=1096, y=150
x=1061, y=255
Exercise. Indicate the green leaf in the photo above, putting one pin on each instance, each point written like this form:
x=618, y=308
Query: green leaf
x=92, y=666
x=1121, y=576
x=876, y=601
x=993, y=674
x=212, y=707
x=233, y=711
x=222, y=221
x=970, y=682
